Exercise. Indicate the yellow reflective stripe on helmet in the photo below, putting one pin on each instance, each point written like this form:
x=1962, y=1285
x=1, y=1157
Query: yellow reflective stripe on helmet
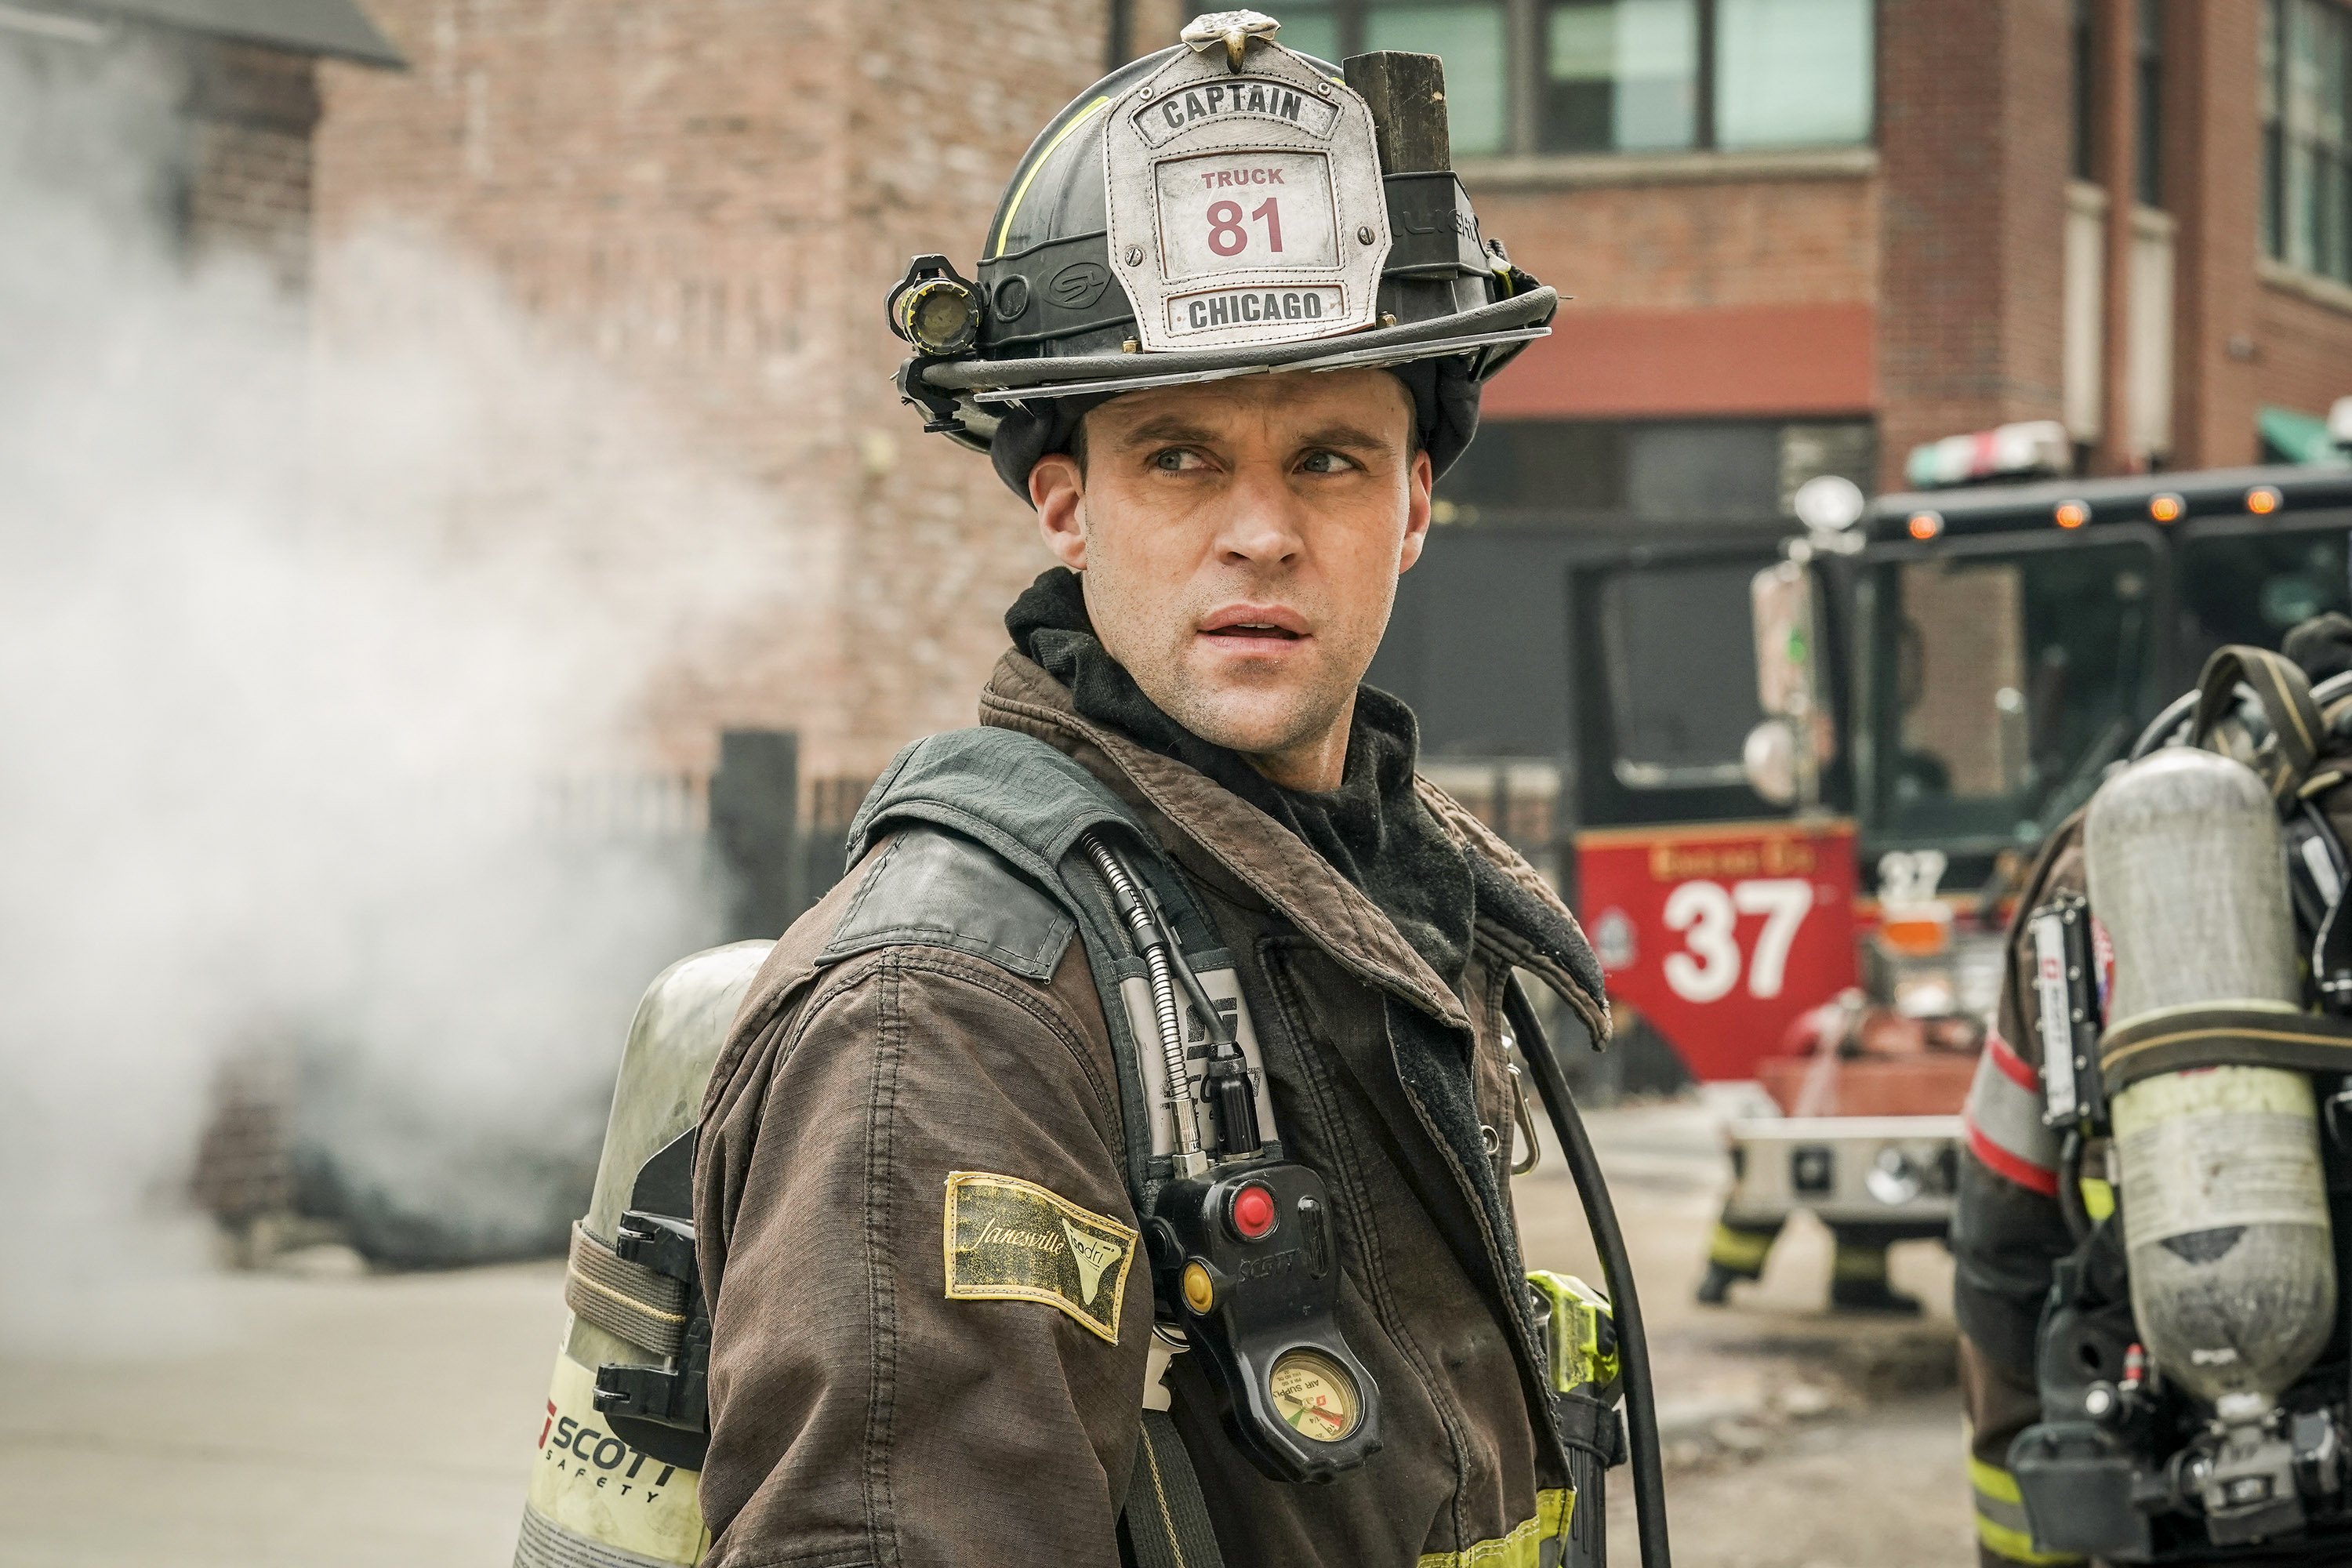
x=1742, y=1249
x=2001, y=1517
x=1021, y=190
x=1523, y=1547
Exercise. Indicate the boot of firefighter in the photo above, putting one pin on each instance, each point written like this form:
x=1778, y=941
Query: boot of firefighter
x=618, y=1468
x=1735, y=1254
x=1858, y=1279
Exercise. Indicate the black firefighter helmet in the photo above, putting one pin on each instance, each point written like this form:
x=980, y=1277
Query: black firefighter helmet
x=1224, y=207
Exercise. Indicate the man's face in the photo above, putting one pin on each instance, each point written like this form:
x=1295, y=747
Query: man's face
x=1240, y=542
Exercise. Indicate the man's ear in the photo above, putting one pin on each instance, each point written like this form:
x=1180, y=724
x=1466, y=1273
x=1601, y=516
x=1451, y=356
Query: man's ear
x=1418, y=478
x=1058, y=490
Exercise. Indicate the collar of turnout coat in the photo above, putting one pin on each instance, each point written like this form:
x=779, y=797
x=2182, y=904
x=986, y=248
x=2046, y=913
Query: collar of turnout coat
x=1517, y=912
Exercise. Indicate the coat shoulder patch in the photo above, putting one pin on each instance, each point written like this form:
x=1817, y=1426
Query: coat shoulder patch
x=1010, y=1240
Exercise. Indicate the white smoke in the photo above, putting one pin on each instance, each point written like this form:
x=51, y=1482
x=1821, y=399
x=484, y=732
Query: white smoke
x=317, y=657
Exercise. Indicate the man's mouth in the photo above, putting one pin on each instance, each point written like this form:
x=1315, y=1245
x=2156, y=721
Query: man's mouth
x=1254, y=623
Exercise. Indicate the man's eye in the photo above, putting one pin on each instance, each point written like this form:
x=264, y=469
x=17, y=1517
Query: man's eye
x=1325, y=462
x=1177, y=460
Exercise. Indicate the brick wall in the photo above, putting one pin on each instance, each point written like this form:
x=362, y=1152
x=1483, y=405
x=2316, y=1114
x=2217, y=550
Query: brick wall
x=1974, y=136
x=1685, y=245
x=250, y=114
x=2212, y=164
x=2302, y=348
x=709, y=196
x=1738, y=296
x=940, y=546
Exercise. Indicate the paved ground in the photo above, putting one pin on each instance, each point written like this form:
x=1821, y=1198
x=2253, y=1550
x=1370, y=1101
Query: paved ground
x=357, y=1421
x=1794, y=1439
x=306, y=1420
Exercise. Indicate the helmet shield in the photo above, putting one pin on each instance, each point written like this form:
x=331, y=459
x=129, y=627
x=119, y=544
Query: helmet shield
x=1246, y=209
x=1226, y=208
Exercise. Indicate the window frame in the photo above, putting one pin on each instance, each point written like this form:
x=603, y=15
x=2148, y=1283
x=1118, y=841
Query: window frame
x=1525, y=28
x=2148, y=103
x=2281, y=138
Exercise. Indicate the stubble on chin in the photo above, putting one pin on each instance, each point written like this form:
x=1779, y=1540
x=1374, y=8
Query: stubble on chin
x=1255, y=719
x=1260, y=716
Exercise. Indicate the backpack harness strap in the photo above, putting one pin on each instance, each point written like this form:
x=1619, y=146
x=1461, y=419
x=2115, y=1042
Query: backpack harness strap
x=2252, y=1034
x=2283, y=691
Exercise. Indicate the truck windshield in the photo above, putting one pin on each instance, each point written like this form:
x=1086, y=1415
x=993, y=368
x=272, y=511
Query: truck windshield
x=2001, y=685
x=2241, y=584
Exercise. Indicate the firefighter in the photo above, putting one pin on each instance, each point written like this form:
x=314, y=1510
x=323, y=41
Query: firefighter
x=1229, y=325
x=2149, y=1354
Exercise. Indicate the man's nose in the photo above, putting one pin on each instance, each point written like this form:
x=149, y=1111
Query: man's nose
x=1261, y=520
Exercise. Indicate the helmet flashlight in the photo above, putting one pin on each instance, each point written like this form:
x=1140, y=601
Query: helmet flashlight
x=934, y=309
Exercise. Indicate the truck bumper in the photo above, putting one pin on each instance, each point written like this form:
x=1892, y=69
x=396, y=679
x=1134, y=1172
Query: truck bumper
x=1895, y=1171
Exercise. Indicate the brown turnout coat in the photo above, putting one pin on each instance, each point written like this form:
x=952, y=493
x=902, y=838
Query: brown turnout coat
x=861, y=1417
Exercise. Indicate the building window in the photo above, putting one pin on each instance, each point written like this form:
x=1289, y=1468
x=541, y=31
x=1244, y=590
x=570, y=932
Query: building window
x=1309, y=29
x=1621, y=76
x=1552, y=473
x=1473, y=38
x=2148, y=103
x=2306, y=105
x=1791, y=73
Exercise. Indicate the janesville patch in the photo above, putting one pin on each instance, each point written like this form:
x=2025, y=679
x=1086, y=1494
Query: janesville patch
x=1010, y=1240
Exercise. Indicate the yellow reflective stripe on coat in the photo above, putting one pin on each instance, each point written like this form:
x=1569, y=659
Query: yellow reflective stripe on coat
x=2001, y=1517
x=1523, y=1547
x=2098, y=1198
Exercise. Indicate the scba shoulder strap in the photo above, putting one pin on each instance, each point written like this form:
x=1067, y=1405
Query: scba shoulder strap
x=1020, y=848
x=1017, y=818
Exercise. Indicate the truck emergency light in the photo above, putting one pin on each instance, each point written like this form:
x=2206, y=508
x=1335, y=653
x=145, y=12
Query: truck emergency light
x=2086, y=506
x=2022, y=450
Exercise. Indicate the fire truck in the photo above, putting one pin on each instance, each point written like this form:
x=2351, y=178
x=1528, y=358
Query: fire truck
x=1809, y=776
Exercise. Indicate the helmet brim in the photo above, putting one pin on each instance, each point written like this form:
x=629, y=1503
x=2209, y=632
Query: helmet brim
x=1494, y=332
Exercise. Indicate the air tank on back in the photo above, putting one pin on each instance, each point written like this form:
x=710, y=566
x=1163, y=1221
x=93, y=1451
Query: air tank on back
x=604, y=1490
x=2224, y=1203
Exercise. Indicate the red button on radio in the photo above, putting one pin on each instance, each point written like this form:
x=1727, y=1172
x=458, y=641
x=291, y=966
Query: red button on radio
x=1251, y=1212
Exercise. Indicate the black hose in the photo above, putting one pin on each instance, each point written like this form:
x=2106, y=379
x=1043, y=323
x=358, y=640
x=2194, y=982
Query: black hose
x=1625, y=1309
x=2070, y=1205
x=2160, y=728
